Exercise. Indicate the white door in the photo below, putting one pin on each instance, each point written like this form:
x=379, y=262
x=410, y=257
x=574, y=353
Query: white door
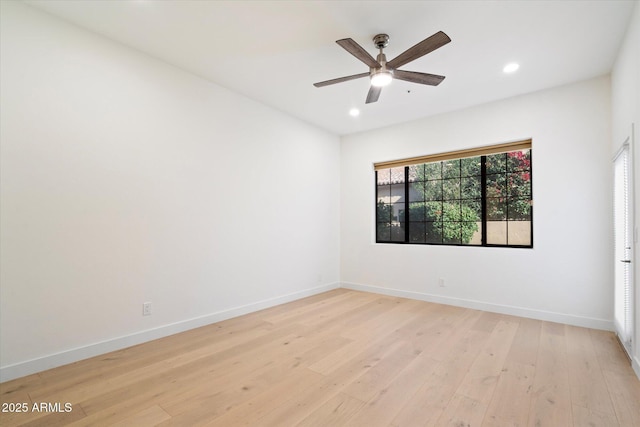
x=623, y=247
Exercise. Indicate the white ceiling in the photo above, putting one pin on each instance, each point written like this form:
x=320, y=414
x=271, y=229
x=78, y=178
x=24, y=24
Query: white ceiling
x=273, y=51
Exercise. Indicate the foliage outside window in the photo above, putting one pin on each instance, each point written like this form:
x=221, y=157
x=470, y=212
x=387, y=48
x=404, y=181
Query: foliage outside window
x=483, y=200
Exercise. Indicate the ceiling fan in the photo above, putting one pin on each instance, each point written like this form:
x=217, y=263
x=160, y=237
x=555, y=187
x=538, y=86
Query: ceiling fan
x=382, y=72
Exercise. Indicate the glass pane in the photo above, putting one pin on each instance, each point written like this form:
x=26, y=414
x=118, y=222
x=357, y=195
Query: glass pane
x=416, y=191
x=383, y=212
x=451, y=232
x=417, y=211
x=433, y=170
x=417, y=232
x=496, y=210
x=397, y=193
x=519, y=233
x=397, y=175
x=470, y=233
x=519, y=210
x=519, y=160
x=397, y=233
x=433, y=190
x=384, y=176
x=519, y=184
x=451, y=169
x=416, y=173
x=470, y=166
x=472, y=210
x=497, y=163
x=496, y=185
x=451, y=210
x=397, y=214
x=433, y=211
x=451, y=189
x=434, y=232
x=471, y=188
x=497, y=232
x=384, y=194
x=476, y=237
x=383, y=231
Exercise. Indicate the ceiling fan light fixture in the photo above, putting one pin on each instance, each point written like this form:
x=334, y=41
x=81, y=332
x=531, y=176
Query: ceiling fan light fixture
x=381, y=78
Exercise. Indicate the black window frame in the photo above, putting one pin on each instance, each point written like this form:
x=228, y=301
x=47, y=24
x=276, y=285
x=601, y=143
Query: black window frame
x=406, y=222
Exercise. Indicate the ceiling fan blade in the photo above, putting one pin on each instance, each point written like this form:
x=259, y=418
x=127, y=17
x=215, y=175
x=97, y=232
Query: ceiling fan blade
x=427, y=45
x=340, y=80
x=374, y=94
x=415, y=77
x=358, y=51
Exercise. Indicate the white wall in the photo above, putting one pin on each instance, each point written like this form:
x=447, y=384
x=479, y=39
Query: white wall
x=625, y=107
x=124, y=180
x=567, y=276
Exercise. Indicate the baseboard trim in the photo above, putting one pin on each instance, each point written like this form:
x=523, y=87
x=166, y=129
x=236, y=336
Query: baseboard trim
x=40, y=364
x=635, y=364
x=587, y=322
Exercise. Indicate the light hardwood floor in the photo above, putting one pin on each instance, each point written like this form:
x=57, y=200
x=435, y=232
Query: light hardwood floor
x=346, y=358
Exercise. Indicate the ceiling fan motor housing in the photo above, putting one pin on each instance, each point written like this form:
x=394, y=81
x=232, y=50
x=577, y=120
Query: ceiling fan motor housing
x=381, y=40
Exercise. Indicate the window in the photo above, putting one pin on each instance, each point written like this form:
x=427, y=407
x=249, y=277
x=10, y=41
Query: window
x=479, y=197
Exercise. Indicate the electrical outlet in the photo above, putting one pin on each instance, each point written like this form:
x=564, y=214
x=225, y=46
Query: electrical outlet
x=441, y=282
x=146, y=309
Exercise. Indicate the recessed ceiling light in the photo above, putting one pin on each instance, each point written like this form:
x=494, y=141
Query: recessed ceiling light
x=510, y=68
x=354, y=112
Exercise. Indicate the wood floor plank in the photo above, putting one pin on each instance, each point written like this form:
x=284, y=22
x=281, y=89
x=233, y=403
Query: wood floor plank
x=251, y=410
x=355, y=316
x=625, y=396
x=151, y=416
x=339, y=310
x=374, y=380
x=524, y=349
x=334, y=412
x=588, y=386
x=550, y=405
x=174, y=387
x=510, y=403
x=309, y=310
x=429, y=331
x=584, y=417
x=347, y=358
x=380, y=330
x=428, y=403
x=456, y=333
x=462, y=411
x=607, y=348
x=480, y=382
x=239, y=380
x=18, y=390
x=487, y=321
x=402, y=311
x=304, y=404
x=388, y=401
